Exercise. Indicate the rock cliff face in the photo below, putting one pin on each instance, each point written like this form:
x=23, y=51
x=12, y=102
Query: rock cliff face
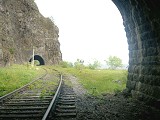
x=23, y=28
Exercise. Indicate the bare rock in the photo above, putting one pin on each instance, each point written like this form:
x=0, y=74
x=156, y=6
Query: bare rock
x=22, y=27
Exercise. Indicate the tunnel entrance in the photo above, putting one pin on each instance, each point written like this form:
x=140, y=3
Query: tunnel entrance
x=38, y=60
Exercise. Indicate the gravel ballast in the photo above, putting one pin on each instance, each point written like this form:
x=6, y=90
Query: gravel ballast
x=109, y=106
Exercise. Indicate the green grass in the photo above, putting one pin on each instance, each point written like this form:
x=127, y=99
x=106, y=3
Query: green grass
x=99, y=82
x=16, y=76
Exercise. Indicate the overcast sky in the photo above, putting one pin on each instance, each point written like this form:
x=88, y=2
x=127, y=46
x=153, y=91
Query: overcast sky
x=89, y=29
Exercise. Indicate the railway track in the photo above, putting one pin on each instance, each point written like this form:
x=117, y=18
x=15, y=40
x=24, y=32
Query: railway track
x=38, y=100
x=66, y=104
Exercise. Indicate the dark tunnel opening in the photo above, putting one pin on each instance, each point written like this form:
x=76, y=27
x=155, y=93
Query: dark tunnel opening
x=39, y=59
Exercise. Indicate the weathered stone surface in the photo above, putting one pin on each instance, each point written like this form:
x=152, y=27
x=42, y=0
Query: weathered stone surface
x=142, y=25
x=22, y=27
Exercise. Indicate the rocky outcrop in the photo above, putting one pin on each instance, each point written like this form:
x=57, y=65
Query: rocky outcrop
x=23, y=28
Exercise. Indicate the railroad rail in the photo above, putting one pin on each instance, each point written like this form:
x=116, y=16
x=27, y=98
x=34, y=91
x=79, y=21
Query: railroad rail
x=64, y=107
x=9, y=95
x=29, y=102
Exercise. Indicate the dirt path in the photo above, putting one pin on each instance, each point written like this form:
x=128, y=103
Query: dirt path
x=109, y=107
x=77, y=87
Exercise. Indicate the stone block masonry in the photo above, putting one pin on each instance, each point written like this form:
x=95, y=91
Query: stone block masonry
x=141, y=19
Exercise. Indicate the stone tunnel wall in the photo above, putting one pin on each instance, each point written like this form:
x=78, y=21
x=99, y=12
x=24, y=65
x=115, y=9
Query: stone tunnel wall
x=141, y=19
x=22, y=27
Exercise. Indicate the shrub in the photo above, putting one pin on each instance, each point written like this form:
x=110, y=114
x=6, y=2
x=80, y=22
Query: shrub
x=65, y=64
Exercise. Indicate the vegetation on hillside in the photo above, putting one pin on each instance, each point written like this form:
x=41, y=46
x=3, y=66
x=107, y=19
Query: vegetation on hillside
x=114, y=62
x=97, y=81
x=16, y=76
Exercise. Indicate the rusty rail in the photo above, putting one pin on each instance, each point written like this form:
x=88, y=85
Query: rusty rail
x=53, y=102
x=20, y=89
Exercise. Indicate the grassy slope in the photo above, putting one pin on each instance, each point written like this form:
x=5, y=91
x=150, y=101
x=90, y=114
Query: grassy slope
x=16, y=76
x=99, y=82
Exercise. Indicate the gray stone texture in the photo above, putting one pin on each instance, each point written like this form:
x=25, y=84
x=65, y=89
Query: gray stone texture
x=141, y=19
x=22, y=27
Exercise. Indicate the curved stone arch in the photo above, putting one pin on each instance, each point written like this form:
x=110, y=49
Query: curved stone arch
x=39, y=58
x=141, y=19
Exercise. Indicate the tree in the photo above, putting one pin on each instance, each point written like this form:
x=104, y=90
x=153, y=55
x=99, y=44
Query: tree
x=96, y=64
x=79, y=64
x=66, y=64
x=114, y=62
